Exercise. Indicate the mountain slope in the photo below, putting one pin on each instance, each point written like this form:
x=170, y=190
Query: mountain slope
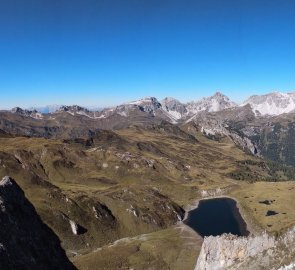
x=270, y=137
x=265, y=135
x=25, y=241
x=119, y=184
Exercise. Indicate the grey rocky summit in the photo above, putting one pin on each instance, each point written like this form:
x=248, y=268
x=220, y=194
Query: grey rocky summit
x=28, y=113
x=174, y=106
x=215, y=103
x=73, y=108
x=272, y=104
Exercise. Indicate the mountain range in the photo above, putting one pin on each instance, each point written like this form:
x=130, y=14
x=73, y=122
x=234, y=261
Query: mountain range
x=113, y=185
x=275, y=103
x=262, y=125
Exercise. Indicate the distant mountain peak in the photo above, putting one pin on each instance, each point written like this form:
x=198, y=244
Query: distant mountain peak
x=219, y=94
x=76, y=110
x=144, y=100
x=170, y=109
x=214, y=103
x=28, y=113
x=22, y=111
x=274, y=103
x=170, y=99
x=73, y=108
x=174, y=108
x=147, y=104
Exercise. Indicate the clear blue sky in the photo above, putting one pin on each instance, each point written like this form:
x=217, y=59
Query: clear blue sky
x=104, y=52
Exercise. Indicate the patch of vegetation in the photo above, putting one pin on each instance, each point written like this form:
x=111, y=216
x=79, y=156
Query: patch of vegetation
x=277, y=143
x=282, y=196
x=275, y=171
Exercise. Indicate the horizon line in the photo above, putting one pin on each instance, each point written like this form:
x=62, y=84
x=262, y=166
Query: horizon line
x=101, y=107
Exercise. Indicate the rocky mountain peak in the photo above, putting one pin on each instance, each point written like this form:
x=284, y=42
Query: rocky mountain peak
x=73, y=108
x=168, y=100
x=219, y=94
x=215, y=103
x=145, y=101
x=78, y=110
x=27, y=113
x=221, y=97
x=275, y=103
x=22, y=111
x=174, y=107
x=148, y=104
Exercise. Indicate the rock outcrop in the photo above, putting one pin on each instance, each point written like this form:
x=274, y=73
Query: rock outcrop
x=271, y=104
x=25, y=241
x=252, y=252
x=28, y=113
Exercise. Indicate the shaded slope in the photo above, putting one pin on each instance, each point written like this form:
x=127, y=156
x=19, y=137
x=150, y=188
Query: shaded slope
x=25, y=241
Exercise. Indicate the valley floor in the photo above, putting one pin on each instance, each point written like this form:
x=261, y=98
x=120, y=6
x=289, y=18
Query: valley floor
x=124, y=192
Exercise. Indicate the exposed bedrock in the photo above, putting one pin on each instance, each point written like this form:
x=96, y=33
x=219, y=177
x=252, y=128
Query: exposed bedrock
x=25, y=241
x=253, y=252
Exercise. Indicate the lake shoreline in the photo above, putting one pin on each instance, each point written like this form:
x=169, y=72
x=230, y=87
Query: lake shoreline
x=195, y=204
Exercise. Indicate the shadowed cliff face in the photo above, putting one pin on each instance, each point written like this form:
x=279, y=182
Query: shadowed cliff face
x=25, y=241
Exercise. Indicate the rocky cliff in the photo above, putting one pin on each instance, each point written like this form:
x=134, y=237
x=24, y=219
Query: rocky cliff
x=252, y=252
x=25, y=241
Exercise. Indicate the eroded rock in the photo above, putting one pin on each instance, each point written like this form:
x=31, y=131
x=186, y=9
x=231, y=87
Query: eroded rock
x=243, y=253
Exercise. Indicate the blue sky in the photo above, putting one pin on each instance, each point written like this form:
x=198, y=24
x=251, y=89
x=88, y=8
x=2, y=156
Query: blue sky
x=104, y=52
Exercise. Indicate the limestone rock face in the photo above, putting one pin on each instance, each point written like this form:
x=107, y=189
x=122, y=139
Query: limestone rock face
x=25, y=241
x=221, y=252
x=253, y=252
x=272, y=104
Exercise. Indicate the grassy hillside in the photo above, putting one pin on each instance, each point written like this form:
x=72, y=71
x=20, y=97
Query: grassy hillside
x=131, y=182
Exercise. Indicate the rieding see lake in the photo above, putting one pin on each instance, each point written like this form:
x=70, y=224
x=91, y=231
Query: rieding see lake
x=217, y=216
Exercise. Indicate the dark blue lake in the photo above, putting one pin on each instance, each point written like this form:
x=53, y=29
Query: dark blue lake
x=217, y=216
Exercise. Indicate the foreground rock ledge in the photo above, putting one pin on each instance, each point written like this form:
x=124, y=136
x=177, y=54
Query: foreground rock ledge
x=25, y=241
x=253, y=252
